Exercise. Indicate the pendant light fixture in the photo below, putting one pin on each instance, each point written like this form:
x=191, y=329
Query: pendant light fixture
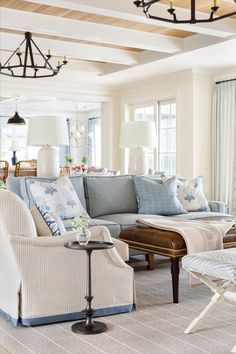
x=26, y=64
x=148, y=7
x=16, y=119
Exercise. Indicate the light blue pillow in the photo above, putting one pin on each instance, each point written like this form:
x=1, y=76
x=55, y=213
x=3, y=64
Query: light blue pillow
x=50, y=221
x=157, y=198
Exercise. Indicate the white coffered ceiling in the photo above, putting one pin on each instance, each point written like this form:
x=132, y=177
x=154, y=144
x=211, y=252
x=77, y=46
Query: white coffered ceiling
x=111, y=41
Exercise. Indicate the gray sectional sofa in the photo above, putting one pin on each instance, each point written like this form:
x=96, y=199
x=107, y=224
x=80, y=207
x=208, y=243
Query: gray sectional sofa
x=109, y=200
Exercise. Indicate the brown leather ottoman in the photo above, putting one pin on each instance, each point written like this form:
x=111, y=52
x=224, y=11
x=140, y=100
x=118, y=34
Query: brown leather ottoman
x=165, y=243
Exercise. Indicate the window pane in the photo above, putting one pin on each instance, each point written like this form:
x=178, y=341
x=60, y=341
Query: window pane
x=94, y=142
x=168, y=163
x=163, y=140
x=146, y=113
x=167, y=137
x=171, y=140
x=151, y=161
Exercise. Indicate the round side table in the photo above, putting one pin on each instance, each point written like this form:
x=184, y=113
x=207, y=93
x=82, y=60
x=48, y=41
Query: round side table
x=89, y=326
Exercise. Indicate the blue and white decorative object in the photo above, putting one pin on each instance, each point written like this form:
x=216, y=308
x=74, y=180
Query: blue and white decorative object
x=191, y=195
x=50, y=221
x=157, y=198
x=57, y=196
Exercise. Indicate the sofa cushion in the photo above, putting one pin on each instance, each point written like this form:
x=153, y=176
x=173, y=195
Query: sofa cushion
x=57, y=196
x=191, y=195
x=113, y=227
x=21, y=186
x=157, y=198
x=127, y=219
x=110, y=195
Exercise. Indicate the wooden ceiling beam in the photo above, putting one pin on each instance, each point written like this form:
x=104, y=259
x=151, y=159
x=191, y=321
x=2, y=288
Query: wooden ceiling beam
x=10, y=41
x=52, y=25
x=127, y=11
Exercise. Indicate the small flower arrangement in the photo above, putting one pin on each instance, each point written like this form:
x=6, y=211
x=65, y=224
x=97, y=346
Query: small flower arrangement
x=80, y=223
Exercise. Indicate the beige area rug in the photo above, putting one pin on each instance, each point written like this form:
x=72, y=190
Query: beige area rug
x=156, y=327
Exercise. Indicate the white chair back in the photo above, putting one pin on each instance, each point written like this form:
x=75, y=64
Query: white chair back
x=15, y=215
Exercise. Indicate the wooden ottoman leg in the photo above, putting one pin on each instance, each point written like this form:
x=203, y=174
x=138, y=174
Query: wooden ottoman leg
x=175, y=279
x=150, y=259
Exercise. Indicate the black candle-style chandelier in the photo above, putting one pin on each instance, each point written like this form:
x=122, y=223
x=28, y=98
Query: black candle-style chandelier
x=26, y=66
x=146, y=5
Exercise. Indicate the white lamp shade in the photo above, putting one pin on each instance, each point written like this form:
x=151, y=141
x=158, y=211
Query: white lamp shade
x=48, y=130
x=138, y=134
x=15, y=146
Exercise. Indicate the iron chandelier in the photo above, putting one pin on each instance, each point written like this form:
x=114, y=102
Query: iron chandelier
x=146, y=5
x=26, y=66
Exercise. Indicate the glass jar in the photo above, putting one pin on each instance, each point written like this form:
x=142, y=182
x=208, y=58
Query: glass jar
x=83, y=236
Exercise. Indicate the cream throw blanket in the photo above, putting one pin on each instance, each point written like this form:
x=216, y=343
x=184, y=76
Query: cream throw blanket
x=199, y=235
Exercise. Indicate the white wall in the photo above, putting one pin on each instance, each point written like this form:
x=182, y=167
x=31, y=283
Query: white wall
x=202, y=146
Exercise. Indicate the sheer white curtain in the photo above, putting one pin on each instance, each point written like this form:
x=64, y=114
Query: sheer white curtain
x=223, y=141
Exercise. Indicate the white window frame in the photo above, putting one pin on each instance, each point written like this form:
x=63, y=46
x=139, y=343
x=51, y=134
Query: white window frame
x=145, y=105
x=156, y=118
x=164, y=102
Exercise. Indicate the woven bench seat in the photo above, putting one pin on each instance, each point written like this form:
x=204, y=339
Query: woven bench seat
x=220, y=263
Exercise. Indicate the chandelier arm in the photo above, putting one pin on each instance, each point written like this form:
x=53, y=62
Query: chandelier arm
x=223, y=16
x=145, y=10
x=46, y=59
x=167, y=19
x=26, y=58
x=31, y=54
x=13, y=54
x=30, y=76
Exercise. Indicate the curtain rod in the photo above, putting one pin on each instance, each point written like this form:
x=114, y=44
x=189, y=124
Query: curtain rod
x=220, y=82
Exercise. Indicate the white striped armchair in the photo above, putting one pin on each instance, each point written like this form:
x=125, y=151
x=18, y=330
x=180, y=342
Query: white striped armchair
x=43, y=282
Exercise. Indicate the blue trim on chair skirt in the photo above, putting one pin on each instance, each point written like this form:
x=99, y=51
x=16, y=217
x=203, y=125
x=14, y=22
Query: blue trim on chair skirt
x=67, y=316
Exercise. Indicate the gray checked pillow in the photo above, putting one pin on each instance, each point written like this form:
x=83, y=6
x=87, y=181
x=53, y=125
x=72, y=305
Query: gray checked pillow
x=57, y=196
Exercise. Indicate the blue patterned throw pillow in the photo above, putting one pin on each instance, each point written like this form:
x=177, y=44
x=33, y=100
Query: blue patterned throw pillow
x=191, y=195
x=50, y=221
x=57, y=196
x=157, y=198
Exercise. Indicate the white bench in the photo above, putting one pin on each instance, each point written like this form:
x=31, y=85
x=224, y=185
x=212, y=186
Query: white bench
x=220, y=264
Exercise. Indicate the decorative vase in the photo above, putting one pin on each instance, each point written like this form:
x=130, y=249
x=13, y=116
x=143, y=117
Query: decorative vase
x=83, y=236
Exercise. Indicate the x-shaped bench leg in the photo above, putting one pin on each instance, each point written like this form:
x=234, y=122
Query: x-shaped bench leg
x=222, y=292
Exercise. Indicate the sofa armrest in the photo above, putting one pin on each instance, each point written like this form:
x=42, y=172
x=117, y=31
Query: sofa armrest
x=218, y=207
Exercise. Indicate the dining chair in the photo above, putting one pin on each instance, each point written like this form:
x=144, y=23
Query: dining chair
x=26, y=168
x=4, y=168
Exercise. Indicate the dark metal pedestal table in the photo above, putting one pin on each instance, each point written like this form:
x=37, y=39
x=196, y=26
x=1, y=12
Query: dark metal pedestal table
x=89, y=326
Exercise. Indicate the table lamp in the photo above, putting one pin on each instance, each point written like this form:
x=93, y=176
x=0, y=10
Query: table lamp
x=137, y=136
x=48, y=132
x=15, y=146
